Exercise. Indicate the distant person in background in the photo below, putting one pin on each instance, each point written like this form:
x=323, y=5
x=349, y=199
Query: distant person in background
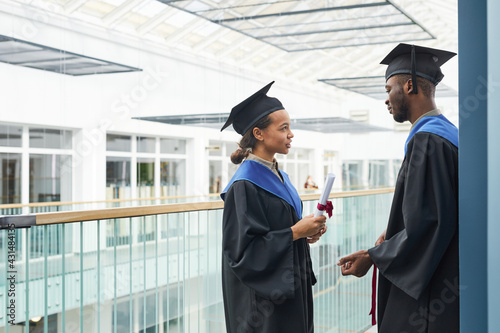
x=417, y=255
x=217, y=185
x=267, y=275
x=310, y=183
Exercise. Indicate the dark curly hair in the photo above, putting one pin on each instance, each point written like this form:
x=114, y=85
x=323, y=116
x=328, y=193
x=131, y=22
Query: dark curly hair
x=427, y=88
x=248, y=141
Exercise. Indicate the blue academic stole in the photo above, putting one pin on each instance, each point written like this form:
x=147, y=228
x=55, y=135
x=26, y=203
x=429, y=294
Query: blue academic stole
x=438, y=125
x=264, y=178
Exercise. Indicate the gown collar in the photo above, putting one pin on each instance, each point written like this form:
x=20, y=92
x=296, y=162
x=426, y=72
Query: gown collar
x=438, y=125
x=264, y=178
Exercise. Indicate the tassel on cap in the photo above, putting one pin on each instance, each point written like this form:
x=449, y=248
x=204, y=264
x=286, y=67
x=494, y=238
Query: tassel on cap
x=414, y=70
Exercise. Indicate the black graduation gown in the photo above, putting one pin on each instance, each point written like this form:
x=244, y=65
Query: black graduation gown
x=267, y=277
x=418, y=262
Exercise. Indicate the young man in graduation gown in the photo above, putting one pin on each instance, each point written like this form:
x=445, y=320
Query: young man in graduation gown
x=267, y=275
x=417, y=255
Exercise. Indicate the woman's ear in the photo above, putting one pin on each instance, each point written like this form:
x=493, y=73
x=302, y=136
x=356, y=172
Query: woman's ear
x=257, y=133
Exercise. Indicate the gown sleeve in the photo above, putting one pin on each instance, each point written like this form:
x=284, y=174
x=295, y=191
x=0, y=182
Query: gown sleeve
x=260, y=256
x=409, y=258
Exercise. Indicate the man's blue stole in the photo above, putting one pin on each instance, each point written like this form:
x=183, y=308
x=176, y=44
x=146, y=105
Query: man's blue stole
x=264, y=178
x=438, y=125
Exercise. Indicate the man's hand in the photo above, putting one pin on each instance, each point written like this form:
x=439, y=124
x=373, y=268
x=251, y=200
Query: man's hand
x=381, y=238
x=356, y=264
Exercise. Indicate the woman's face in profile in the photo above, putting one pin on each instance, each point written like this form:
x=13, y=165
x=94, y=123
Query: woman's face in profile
x=278, y=135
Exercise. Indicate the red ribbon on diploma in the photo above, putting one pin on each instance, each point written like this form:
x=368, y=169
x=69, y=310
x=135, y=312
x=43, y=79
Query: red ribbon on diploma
x=328, y=208
x=374, y=295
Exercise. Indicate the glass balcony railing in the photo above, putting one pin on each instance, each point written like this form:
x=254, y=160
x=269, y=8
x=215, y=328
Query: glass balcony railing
x=158, y=268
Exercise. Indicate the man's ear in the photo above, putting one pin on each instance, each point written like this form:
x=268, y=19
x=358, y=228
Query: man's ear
x=409, y=86
x=257, y=133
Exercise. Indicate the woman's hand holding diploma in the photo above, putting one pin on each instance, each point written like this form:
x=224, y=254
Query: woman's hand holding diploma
x=323, y=204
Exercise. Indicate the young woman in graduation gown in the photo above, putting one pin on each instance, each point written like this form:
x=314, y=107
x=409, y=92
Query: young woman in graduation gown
x=267, y=274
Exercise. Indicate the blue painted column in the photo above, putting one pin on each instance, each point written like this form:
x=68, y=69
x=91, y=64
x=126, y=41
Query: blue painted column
x=493, y=166
x=473, y=179
x=479, y=162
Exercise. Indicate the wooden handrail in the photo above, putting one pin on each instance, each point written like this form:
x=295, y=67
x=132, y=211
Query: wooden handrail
x=23, y=221
x=348, y=194
x=68, y=203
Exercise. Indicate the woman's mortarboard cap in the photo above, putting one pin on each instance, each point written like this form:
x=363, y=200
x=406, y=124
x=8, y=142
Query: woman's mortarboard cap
x=417, y=61
x=247, y=113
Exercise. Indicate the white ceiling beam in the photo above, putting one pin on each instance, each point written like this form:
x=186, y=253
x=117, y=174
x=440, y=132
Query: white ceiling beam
x=338, y=68
x=275, y=58
x=255, y=52
x=305, y=68
x=117, y=13
x=187, y=29
x=321, y=57
x=155, y=21
x=234, y=46
x=320, y=70
x=73, y=5
x=217, y=35
x=294, y=59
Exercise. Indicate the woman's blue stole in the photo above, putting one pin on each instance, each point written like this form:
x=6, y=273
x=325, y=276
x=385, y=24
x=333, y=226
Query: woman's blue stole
x=264, y=178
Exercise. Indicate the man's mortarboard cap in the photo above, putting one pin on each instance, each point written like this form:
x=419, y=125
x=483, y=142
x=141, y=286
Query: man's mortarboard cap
x=244, y=115
x=416, y=60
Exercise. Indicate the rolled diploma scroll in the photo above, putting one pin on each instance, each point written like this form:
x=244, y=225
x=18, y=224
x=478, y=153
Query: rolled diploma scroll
x=330, y=178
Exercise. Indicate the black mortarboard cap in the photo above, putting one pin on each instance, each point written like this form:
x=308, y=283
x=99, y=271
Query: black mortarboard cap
x=417, y=61
x=247, y=113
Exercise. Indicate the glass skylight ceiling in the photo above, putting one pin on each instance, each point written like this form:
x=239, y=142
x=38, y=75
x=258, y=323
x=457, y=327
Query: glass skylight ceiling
x=17, y=52
x=295, y=25
x=373, y=86
x=323, y=125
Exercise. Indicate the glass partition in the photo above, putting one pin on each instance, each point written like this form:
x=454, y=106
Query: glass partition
x=146, y=145
x=172, y=146
x=42, y=156
x=116, y=142
x=172, y=177
x=117, y=178
x=145, y=177
x=352, y=175
x=10, y=178
x=47, y=182
x=161, y=273
x=378, y=173
x=11, y=136
x=50, y=138
x=215, y=176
